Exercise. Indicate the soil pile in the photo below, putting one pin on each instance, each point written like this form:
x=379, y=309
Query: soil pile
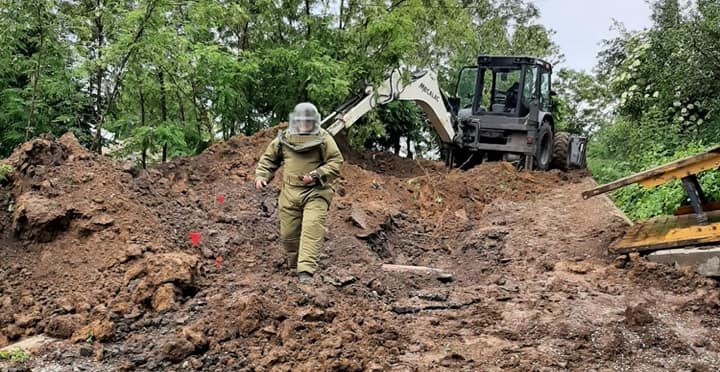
x=98, y=253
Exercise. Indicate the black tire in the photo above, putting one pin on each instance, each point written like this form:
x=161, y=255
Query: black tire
x=544, y=141
x=561, y=151
x=464, y=159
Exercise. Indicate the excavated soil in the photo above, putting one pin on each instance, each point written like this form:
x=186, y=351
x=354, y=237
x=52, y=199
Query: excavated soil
x=97, y=254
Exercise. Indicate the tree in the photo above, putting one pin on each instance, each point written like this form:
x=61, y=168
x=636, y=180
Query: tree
x=39, y=92
x=582, y=105
x=663, y=82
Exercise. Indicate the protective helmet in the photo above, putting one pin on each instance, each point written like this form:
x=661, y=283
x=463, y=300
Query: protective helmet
x=305, y=119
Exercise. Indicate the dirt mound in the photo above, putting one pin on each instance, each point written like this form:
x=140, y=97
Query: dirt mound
x=98, y=253
x=70, y=223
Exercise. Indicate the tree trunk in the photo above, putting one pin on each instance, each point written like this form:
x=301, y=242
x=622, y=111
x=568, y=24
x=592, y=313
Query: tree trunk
x=181, y=107
x=342, y=4
x=245, y=41
x=163, y=111
x=307, y=14
x=409, y=152
x=99, y=72
x=198, y=115
x=142, y=124
x=203, y=114
x=396, y=145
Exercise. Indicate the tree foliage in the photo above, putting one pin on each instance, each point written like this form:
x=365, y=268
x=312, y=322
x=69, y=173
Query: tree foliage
x=663, y=84
x=165, y=78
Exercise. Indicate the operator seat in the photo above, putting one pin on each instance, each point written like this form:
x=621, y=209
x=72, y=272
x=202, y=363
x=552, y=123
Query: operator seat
x=511, y=97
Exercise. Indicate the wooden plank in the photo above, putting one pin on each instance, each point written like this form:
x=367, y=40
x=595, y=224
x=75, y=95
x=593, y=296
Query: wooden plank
x=685, y=171
x=694, y=163
x=669, y=232
x=411, y=269
x=687, y=209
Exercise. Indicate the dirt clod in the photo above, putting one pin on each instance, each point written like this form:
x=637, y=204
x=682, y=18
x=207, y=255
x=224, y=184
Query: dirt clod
x=98, y=330
x=176, y=349
x=637, y=316
x=164, y=297
x=63, y=326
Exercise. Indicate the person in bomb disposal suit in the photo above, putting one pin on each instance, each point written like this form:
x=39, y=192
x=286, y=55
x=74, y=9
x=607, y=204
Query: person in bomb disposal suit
x=311, y=160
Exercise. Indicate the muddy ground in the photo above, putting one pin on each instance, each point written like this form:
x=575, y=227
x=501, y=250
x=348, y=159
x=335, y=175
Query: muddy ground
x=96, y=254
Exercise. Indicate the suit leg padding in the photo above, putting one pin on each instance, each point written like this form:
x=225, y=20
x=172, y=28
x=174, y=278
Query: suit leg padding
x=312, y=234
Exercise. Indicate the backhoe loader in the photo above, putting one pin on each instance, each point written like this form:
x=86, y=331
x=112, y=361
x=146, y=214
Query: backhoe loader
x=500, y=111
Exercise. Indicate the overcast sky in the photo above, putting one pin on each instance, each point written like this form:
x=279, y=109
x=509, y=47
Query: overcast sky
x=580, y=25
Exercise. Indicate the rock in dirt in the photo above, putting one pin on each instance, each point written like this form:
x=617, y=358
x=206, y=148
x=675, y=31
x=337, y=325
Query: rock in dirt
x=39, y=218
x=12, y=332
x=65, y=304
x=252, y=314
x=621, y=261
x=132, y=252
x=176, y=349
x=26, y=320
x=452, y=360
x=196, y=337
x=129, y=167
x=358, y=217
x=287, y=331
x=86, y=351
x=98, y=330
x=158, y=269
x=574, y=267
x=318, y=315
x=99, y=352
x=637, y=316
x=192, y=364
x=432, y=296
x=164, y=297
x=345, y=365
x=63, y=326
x=445, y=277
x=165, y=268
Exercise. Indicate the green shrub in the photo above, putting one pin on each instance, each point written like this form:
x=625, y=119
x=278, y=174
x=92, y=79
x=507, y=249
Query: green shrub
x=5, y=169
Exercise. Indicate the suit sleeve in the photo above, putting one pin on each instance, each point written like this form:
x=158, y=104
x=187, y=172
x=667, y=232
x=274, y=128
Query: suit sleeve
x=269, y=162
x=333, y=161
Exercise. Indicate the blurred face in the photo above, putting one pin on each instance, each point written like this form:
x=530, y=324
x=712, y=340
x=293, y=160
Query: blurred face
x=305, y=126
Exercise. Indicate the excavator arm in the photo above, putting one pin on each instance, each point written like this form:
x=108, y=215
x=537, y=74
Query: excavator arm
x=423, y=89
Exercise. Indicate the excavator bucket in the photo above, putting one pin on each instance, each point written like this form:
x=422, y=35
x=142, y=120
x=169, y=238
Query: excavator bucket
x=696, y=224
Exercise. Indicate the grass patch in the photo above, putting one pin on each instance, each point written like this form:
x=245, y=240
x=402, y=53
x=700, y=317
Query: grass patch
x=14, y=355
x=4, y=170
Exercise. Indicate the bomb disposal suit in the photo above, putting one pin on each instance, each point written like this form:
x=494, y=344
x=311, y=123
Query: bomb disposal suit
x=311, y=160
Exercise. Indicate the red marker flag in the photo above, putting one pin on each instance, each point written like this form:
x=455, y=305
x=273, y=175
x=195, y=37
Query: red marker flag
x=218, y=261
x=220, y=198
x=195, y=237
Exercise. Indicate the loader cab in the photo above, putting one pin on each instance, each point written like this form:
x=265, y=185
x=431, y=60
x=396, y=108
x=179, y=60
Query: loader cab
x=503, y=111
x=506, y=86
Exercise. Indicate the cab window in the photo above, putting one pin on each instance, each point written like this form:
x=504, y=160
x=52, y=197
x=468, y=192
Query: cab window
x=466, y=87
x=545, y=90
